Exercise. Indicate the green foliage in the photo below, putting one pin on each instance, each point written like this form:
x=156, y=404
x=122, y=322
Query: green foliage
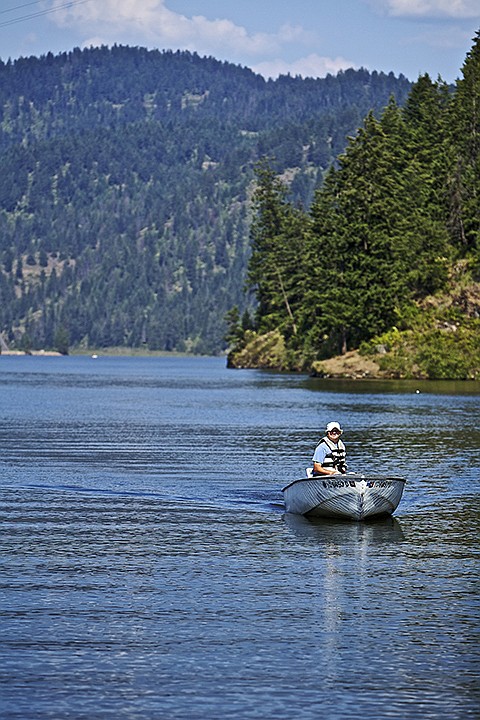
x=266, y=350
x=447, y=354
x=25, y=343
x=433, y=352
x=234, y=337
x=276, y=267
x=126, y=176
x=393, y=218
x=465, y=138
x=62, y=340
x=353, y=242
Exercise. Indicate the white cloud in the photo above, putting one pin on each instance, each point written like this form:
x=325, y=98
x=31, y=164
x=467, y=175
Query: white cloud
x=311, y=66
x=295, y=33
x=456, y=9
x=152, y=23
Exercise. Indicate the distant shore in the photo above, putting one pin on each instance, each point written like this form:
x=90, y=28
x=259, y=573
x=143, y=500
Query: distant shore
x=129, y=352
x=22, y=353
x=100, y=352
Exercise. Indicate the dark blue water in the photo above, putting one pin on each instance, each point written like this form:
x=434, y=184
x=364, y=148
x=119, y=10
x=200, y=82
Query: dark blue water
x=148, y=569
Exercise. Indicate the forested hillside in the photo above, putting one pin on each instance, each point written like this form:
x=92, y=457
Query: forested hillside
x=387, y=258
x=125, y=187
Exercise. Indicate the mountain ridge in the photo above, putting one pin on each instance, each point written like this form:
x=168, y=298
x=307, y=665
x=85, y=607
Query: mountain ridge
x=127, y=174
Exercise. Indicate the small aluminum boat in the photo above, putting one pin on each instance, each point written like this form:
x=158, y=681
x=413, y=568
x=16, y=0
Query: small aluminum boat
x=352, y=496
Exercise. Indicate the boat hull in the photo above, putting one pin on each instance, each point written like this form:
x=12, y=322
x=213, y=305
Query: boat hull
x=352, y=496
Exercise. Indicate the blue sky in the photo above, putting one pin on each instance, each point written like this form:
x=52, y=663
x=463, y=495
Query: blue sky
x=301, y=37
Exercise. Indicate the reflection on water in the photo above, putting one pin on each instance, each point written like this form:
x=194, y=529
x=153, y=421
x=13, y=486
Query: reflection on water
x=149, y=570
x=331, y=532
x=394, y=387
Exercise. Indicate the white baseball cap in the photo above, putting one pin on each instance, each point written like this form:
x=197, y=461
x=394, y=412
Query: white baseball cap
x=334, y=426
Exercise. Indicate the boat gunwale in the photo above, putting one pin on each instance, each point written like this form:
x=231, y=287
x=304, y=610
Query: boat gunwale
x=350, y=476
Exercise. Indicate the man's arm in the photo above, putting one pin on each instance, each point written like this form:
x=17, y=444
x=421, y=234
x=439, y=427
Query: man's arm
x=318, y=469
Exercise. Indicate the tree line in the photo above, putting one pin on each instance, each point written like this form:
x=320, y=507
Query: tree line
x=126, y=184
x=396, y=220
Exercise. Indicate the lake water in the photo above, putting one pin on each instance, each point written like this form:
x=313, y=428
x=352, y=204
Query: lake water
x=148, y=570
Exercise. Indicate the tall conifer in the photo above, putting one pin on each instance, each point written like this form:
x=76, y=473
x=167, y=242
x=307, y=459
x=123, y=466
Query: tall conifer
x=277, y=260
x=465, y=125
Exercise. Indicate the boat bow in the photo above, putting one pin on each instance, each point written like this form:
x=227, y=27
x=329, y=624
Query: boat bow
x=351, y=496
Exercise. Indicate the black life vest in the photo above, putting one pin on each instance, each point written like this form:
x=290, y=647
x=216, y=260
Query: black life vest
x=336, y=457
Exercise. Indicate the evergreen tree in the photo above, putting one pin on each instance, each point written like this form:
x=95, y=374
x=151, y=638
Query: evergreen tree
x=423, y=222
x=465, y=127
x=276, y=268
x=356, y=281
x=324, y=319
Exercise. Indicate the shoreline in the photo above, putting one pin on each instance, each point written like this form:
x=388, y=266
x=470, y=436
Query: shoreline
x=36, y=353
x=104, y=352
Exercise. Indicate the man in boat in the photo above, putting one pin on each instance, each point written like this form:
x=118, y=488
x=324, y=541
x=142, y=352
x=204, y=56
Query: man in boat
x=329, y=456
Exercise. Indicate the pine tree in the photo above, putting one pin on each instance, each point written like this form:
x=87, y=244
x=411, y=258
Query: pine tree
x=276, y=268
x=356, y=279
x=422, y=226
x=465, y=125
x=323, y=328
